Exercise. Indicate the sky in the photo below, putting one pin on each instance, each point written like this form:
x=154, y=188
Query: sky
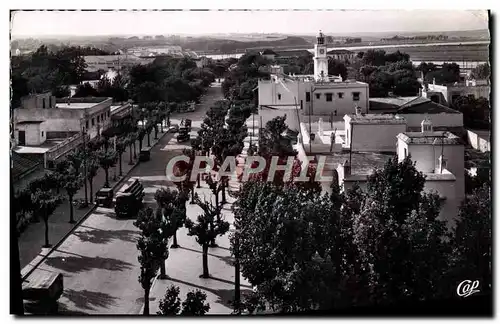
x=83, y=23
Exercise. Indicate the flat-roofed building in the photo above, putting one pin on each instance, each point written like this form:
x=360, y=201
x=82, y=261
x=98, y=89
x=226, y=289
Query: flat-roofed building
x=447, y=93
x=415, y=109
x=55, y=131
x=372, y=132
x=318, y=94
x=341, y=54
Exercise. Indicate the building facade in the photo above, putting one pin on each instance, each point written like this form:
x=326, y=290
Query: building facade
x=318, y=94
x=341, y=55
x=446, y=94
x=66, y=118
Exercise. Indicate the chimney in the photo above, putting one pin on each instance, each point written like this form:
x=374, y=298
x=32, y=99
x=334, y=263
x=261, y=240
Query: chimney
x=433, y=80
x=69, y=100
x=357, y=109
x=426, y=125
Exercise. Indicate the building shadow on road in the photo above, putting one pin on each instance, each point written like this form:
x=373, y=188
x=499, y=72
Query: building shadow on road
x=80, y=263
x=98, y=236
x=226, y=296
x=86, y=299
x=63, y=310
x=225, y=258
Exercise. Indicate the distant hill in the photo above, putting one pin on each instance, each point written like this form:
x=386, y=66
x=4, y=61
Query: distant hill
x=228, y=46
x=374, y=36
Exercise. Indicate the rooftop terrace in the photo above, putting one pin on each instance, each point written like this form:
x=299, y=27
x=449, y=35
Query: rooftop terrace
x=374, y=119
x=432, y=138
x=75, y=105
x=361, y=163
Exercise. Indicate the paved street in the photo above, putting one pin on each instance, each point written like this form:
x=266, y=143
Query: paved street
x=32, y=239
x=99, y=259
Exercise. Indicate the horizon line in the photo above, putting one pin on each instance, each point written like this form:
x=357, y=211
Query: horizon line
x=41, y=36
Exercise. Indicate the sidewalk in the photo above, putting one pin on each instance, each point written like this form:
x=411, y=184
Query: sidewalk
x=184, y=265
x=32, y=239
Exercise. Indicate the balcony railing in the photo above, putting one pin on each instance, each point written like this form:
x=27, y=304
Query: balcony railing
x=64, y=147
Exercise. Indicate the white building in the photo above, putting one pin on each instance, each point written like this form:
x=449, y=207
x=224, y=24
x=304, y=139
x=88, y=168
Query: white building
x=446, y=94
x=319, y=94
x=439, y=155
x=415, y=109
x=341, y=54
x=372, y=132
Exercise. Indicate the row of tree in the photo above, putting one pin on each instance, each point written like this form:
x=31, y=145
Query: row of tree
x=220, y=138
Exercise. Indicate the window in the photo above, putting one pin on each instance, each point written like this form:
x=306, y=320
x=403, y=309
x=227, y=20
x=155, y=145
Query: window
x=308, y=96
x=98, y=119
x=93, y=121
x=406, y=152
x=328, y=97
x=43, y=103
x=427, y=128
x=341, y=95
x=86, y=124
x=108, y=114
x=42, y=133
x=279, y=96
x=318, y=95
x=355, y=96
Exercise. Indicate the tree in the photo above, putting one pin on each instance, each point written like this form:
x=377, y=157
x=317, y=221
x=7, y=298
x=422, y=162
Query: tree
x=152, y=249
x=448, y=73
x=202, y=230
x=400, y=239
x=425, y=68
x=121, y=145
x=86, y=90
x=336, y=67
x=472, y=239
x=130, y=140
x=476, y=112
x=193, y=305
x=272, y=142
x=45, y=202
x=374, y=57
x=72, y=182
x=107, y=159
x=307, y=251
x=481, y=72
x=174, y=209
x=92, y=168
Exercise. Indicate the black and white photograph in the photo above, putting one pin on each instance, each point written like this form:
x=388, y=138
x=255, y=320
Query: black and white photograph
x=250, y=162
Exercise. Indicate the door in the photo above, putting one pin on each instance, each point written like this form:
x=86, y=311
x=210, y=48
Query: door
x=22, y=138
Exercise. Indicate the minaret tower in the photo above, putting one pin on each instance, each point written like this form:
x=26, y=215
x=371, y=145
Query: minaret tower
x=320, y=59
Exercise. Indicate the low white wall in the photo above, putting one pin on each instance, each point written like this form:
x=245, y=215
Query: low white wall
x=477, y=142
x=438, y=120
